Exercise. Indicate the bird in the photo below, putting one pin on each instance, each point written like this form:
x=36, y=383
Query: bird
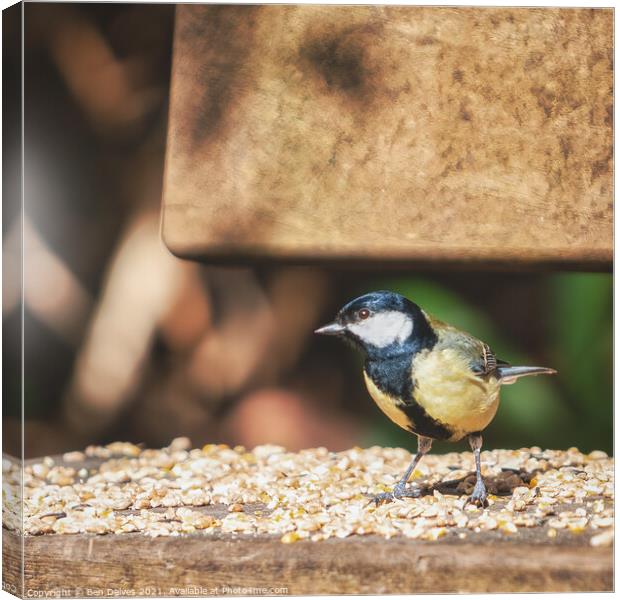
x=430, y=378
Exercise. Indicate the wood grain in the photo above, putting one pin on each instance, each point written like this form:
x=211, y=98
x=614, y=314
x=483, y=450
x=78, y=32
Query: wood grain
x=169, y=566
x=391, y=134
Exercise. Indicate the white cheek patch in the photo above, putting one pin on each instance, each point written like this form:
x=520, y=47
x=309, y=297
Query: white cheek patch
x=384, y=328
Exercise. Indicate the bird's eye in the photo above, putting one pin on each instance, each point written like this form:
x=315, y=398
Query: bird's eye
x=363, y=313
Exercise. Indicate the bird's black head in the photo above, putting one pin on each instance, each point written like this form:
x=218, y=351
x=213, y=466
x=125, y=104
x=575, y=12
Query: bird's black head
x=382, y=324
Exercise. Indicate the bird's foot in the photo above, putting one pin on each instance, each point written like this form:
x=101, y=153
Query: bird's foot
x=479, y=495
x=400, y=491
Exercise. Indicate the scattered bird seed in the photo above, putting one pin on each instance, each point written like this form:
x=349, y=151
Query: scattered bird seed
x=309, y=495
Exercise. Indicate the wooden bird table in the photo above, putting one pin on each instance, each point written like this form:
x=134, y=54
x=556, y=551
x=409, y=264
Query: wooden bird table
x=391, y=134
x=376, y=134
x=121, y=520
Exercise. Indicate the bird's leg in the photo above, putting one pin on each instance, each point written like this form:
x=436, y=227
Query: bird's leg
x=479, y=495
x=401, y=490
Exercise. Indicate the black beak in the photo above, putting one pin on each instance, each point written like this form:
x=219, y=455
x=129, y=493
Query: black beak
x=331, y=329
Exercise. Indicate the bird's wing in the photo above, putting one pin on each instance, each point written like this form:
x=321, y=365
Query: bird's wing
x=481, y=358
x=487, y=363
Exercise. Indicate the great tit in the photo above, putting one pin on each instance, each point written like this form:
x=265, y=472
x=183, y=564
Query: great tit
x=429, y=377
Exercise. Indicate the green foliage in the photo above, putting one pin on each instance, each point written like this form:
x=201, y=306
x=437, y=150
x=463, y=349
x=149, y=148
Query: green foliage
x=582, y=343
x=572, y=409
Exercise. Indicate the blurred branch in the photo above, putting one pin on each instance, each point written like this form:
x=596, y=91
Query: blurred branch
x=140, y=287
x=110, y=91
x=51, y=290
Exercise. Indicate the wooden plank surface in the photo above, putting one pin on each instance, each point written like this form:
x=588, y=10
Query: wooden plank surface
x=214, y=560
x=134, y=564
x=392, y=134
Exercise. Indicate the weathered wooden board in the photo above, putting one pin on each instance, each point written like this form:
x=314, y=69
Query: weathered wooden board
x=202, y=564
x=391, y=133
x=134, y=564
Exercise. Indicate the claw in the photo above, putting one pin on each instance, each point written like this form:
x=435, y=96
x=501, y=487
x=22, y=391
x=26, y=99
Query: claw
x=478, y=496
x=379, y=499
x=399, y=491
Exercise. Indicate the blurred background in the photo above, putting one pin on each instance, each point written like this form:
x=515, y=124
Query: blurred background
x=125, y=342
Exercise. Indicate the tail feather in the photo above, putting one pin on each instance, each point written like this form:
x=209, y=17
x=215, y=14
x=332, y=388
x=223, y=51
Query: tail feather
x=509, y=375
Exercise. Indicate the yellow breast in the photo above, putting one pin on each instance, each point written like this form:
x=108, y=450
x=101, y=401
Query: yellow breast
x=388, y=404
x=449, y=392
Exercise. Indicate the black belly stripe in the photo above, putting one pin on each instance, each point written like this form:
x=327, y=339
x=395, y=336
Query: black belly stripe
x=425, y=424
x=393, y=377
